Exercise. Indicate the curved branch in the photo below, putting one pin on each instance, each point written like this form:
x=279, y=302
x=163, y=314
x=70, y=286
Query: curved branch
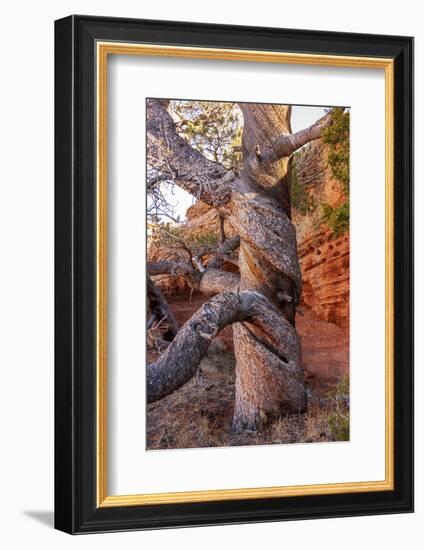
x=170, y=267
x=210, y=281
x=177, y=161
x=180, y=361
x=287, y=144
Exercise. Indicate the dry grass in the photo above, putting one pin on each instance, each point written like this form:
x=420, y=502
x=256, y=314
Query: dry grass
x=199, y=414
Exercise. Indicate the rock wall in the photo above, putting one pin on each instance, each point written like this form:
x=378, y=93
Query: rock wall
x=202, y=218
x=324, y=257
x=315, y=176
x=324, y=262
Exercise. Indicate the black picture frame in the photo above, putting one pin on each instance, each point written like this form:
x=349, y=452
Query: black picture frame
x=76, y=510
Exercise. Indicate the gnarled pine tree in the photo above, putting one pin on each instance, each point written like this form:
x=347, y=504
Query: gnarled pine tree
x=261, y=302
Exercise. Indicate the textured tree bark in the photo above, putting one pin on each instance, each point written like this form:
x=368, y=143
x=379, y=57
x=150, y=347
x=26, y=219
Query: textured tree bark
x=160, y=309
x=177, y=161
x=269, y=265
x=179, y=362
x=211, y=281
x=269, y=370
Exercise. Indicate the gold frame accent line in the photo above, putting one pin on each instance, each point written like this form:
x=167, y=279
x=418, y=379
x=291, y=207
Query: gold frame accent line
x=101, y=293
x=390, y=267
x=103, y=49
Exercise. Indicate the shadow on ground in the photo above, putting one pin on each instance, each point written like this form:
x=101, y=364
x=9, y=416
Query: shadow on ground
x=46, y=517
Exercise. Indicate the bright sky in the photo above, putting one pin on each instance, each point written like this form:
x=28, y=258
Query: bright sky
x=302, y=117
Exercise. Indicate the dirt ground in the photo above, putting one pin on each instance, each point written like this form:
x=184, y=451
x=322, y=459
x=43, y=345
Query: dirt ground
x=199, y=413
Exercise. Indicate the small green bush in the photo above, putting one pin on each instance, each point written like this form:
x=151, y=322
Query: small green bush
x=172, y=236
x=338, y=419
x=339, y=426
x=336, y=219
x=206, y=238
x=336, y=137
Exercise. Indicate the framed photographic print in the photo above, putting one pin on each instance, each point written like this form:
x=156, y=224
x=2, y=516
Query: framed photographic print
x=233, y=272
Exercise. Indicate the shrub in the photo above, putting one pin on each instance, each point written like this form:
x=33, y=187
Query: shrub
x=339, y=426
x=336, y=219
x=175, y=237
x=206, y=238
x=336, y=137
x=338, y=419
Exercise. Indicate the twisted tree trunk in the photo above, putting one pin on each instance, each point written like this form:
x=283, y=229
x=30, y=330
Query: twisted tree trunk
x=266, y=383
x=269, y=371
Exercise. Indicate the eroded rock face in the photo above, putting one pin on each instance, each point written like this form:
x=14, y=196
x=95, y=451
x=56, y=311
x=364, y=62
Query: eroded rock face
x=202, y=218
x=323, y=256
x=325, y=350
x=315, y=176
x=324, y=261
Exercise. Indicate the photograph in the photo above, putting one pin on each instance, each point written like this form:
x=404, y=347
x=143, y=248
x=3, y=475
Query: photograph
x=247, y=273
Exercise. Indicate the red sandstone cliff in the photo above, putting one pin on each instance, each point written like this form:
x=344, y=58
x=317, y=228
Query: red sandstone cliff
x=324, y=257
x=324, y=262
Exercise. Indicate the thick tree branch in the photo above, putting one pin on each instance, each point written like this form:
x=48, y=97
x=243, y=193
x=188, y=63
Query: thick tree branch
x=210, y=281
x=180, y=361
x=174, y=159
x=286, y=144
x=171, y=267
